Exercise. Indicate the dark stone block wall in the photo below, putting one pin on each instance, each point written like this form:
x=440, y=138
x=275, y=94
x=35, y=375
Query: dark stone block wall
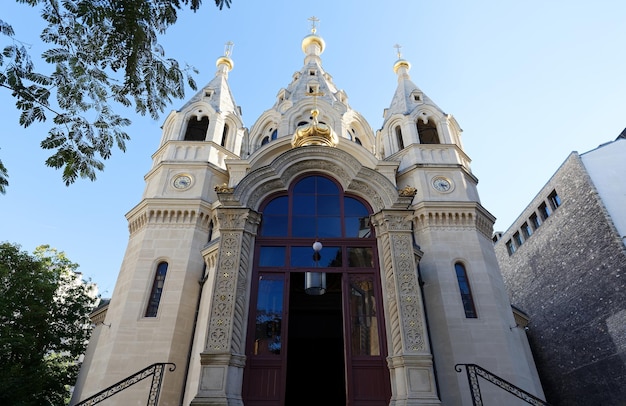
x=569, y=276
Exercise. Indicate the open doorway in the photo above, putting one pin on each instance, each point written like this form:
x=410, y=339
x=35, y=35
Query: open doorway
x=315, y=352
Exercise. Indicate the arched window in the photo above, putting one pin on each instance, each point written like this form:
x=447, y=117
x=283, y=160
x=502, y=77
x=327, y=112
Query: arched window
x=358, y=141
x=427, y=132
x=224, y=135
x=265, y=140
x=466, y=292
x=399, y=137
x=157, y=289
x=274, y=134
x=196, y=129
x=316, y=208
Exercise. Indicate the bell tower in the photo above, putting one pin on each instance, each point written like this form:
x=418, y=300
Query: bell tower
x=157, y=292
x=469, y=313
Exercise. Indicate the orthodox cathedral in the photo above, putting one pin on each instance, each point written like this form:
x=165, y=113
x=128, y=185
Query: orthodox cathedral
x=310, y=260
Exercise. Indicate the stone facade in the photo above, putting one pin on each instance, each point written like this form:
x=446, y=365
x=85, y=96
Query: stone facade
x=202, y=213
x=569, y=277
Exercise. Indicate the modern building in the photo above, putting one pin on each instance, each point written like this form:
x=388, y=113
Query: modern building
x=310, y=259
x=564, y=263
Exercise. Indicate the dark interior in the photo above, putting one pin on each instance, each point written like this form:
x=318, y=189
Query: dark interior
x=315, y=358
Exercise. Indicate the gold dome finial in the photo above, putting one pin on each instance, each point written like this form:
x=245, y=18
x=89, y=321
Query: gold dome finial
x=400, y=63
x=225, y=59
x=313, y=39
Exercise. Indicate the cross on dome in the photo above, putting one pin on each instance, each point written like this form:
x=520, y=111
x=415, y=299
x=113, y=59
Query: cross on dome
x=398, y=48
x=313, y=21
x=228, y=48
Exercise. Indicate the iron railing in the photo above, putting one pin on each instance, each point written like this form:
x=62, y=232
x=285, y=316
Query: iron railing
x=474, y=371
x=154, y=370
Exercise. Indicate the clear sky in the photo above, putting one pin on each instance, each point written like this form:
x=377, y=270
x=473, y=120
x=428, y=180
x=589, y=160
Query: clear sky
x=528, y=81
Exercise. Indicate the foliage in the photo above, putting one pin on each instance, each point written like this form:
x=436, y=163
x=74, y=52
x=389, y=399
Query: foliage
x=103, y=53
x=44, y=325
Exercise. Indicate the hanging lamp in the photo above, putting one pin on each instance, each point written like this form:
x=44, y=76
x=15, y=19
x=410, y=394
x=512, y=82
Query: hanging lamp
x=315, y=282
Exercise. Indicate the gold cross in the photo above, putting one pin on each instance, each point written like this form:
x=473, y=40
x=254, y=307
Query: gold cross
x=314, y=94
x=313, y=20
x=398, y=47
x=228, y=48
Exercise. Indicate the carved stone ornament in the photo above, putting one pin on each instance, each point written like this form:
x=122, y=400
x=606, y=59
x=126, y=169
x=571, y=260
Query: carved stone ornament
x=407, y=191
x=223, y=188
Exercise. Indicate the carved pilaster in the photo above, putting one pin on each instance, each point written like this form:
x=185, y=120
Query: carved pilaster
x=223, y=360
x=400, y=280
x=410, y=360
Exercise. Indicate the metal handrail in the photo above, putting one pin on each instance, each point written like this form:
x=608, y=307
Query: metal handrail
x=474, y=371
x=154, y=370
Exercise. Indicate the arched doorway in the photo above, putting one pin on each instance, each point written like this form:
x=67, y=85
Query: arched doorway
x=330, y=348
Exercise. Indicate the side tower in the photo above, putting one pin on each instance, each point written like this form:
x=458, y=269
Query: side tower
x=151, y=317
x=469, y=314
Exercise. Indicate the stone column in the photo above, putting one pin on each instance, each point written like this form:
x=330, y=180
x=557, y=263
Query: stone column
x=223, y=358
x=410, y=360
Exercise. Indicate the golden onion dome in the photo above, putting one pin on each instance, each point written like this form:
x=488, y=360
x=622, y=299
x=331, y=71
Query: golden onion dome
x=313, y=39
x=401, y=63
x=225, y=60
x=315, y=133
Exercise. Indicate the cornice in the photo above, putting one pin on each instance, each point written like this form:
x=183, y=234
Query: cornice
x=453, y=216
x=170, y=212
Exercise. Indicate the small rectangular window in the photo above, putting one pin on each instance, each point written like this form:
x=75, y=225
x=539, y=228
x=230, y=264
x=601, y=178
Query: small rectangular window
x=555, y=200
x=544, y=211
x=510, y=247
x=527, y=231
x=534, y=221
x=518, y=239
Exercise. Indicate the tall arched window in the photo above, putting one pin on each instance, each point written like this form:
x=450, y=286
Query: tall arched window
x=399, y=139
x=428, y=132
x=466, y=291
x=274, y=134
x=210, y=232
x=157, y=290
x=196, y=129
x=224, y=135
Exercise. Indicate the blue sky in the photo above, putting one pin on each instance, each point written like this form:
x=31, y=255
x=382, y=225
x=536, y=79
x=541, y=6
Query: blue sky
x=529, y=82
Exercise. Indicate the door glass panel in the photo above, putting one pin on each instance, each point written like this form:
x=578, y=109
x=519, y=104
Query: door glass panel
x=328, y=205
x=304, y=226
x=274, y=226
x=357, y=218
x=272, y=256
x=360, y=257
x=329, y=227
x=269, y=315
x=304, y=205
x=329, y=257
x=363, y=320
